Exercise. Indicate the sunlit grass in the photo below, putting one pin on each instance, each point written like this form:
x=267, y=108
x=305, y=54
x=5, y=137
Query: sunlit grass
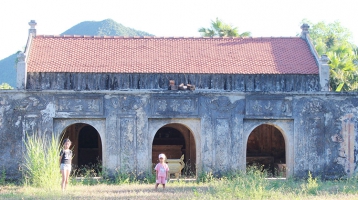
x=41, y=181
x=237, y=187
x=41, y=166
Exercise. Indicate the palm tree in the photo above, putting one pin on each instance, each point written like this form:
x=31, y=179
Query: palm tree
x=334, y=40
x=219, y=28
x=344, y=68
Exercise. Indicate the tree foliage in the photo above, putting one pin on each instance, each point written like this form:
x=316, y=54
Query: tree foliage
x=334, y=40
x=219, y=28
x=5, y=86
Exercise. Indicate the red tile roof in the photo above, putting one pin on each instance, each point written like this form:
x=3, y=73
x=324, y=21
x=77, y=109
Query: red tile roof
x=117, y=54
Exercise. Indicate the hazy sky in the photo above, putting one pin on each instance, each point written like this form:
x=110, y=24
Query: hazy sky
x=263, y=18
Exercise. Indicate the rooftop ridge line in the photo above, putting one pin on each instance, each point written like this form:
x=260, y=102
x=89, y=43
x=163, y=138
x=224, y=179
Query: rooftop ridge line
x=160, y=37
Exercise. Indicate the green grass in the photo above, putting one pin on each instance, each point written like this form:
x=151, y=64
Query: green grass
x=41, y=167
x=42, y=181
x=252, y=185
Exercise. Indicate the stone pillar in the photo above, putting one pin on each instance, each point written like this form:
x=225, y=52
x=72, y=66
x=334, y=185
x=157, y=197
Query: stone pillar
x=32, y=30
x=322, y=62
x=21, y=68
x=305, y=31
x=324, y=73
x=21, y=74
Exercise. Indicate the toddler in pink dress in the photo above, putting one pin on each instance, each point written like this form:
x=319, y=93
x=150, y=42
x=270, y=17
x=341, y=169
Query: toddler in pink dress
x=162, y=171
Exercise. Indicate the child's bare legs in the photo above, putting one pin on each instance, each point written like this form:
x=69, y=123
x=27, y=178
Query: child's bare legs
x=63, y=180
x=65, y=175
x=156, y=186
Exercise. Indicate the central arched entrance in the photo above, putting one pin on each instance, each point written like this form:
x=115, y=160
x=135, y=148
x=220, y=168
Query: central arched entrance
x=86, y=147
x=175, y=140
x=266, y=148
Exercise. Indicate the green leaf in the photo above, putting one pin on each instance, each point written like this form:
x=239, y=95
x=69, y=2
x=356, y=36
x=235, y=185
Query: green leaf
x=340, y=86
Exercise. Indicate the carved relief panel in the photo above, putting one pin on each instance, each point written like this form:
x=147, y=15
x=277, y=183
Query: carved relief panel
x=221, y=107
x=35, y=114
x=84, y=105
x=126, y=104
x=178, y=105
x=268, y=106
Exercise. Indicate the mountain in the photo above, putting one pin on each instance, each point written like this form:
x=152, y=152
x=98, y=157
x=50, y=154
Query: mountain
x=106, y=27
x=8, y=70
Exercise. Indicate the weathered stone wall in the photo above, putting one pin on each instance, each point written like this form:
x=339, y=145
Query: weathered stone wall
x=228, y=82
x=320, y=129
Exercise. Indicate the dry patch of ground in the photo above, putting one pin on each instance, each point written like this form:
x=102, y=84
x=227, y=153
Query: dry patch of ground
x=283, y=189
x=104, y=191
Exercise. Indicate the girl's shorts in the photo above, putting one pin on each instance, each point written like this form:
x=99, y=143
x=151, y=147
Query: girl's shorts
x=161, y=180
x=65, y=167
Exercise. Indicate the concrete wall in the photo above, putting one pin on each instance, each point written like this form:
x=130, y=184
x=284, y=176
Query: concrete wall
x=319, y=129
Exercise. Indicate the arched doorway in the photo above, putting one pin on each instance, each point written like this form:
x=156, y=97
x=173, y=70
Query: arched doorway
x=266, y=148
x=86, y=147
x=175, y=140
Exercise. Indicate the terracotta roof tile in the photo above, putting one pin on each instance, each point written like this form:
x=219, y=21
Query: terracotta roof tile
x=118, y=54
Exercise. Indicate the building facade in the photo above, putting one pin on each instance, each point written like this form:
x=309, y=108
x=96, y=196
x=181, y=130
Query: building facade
x=242, y=101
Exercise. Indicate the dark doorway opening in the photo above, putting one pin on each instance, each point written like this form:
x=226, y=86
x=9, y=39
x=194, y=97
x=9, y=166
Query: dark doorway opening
x=86, y=147
x=266, y=149
x=175, y=140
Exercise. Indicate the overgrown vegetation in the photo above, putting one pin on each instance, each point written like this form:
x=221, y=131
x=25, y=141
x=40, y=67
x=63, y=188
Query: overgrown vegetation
x=236, y=185
x=42, y=178
x=41, y=167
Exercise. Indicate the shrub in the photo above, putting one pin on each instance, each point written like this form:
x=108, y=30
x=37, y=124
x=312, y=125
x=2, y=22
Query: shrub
x=311, y=186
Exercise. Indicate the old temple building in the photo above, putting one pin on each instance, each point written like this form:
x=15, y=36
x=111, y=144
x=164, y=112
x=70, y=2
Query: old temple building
x=224, y=103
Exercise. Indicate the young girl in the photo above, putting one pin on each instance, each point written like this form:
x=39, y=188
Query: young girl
x=65, y=160
x=162, y=172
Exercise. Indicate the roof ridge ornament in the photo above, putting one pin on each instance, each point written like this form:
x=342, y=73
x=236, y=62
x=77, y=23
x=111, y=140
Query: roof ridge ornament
x=21, y=57
x=305, y=31
x=324, y=59
x=32, y=29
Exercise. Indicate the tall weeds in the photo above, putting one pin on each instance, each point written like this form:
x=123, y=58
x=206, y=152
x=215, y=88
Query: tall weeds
x=41, y=166
x=251, y=184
